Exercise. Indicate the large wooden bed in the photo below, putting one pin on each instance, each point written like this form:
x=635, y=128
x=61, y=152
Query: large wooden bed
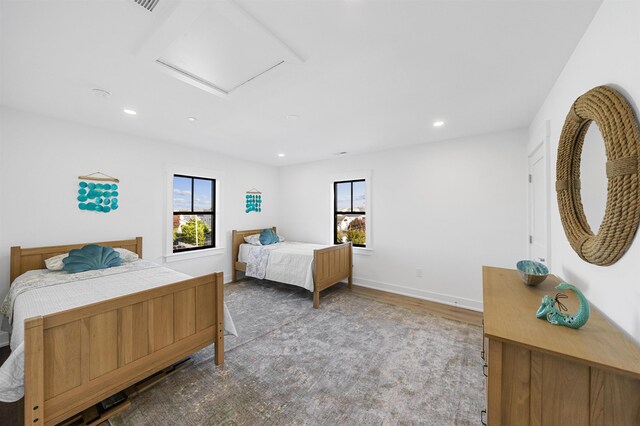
x=331, y=265
x=77, y=358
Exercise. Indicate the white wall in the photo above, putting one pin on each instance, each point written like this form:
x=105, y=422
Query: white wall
x=607, y=54
x=41, y=159
x=447, y=207
x=4, y=336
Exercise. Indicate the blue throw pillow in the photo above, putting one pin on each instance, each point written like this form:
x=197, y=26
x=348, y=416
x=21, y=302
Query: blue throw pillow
x=267, y=236
x=91, y=257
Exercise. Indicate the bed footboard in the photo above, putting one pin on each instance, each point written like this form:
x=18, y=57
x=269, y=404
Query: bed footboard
x=77, y=358
x=332, y=265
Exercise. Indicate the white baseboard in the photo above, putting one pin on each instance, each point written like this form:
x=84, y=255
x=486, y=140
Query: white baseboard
x=4, y=339
x=461, y=302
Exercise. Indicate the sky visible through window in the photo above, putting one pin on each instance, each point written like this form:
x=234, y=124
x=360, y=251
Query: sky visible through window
x=202, y=195
x=182, y=194
x=344, y=196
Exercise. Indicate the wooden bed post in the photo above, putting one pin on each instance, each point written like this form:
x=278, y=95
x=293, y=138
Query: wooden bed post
x=350, y=282
x=139, y=246
x=234, y=255
x=218, y=294
x=316, y=297
x=15, y=264
x=34, y=371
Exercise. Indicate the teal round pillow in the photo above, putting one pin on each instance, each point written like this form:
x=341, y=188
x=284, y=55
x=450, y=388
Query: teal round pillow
x=267, y=236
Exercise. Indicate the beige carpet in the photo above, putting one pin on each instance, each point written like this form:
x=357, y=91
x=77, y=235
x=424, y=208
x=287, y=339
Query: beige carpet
x=352, y=362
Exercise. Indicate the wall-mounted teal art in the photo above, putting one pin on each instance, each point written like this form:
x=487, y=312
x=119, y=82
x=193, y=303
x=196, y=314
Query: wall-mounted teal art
x=253, y=201
x=98, y=196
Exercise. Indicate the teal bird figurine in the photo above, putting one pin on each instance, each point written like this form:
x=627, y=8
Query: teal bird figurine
x=553, y=314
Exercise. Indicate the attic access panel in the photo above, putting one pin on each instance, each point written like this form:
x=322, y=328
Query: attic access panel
x=223, y=49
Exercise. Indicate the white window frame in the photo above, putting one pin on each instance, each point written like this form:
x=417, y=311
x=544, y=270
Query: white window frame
x=355, y=175
x=171, y=170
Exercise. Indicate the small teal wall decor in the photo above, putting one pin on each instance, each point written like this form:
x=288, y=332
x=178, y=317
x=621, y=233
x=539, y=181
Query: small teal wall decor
x=253, y=201
x=98, y=196
x=554, y=315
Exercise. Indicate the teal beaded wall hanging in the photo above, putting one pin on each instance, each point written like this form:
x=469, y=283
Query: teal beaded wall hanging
x=99, y=195
x=253, y=200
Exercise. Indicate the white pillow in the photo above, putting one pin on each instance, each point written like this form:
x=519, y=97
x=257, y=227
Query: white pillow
x=280, y=238
x=55, y=263
x=253, y=239
x=127, y=255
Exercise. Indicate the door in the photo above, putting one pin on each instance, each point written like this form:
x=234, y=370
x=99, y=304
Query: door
x=538, y=205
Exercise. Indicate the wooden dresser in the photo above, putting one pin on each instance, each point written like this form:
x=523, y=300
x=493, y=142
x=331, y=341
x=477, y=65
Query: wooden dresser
x=543, y=374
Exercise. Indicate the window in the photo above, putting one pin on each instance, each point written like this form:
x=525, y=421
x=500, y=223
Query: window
x=350, y=201
x=193, y=213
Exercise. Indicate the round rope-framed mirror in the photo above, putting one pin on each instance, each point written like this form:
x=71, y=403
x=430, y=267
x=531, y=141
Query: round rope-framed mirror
x=615, y=120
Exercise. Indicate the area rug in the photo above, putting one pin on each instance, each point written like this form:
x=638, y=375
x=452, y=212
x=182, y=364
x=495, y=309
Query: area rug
x=354, y=361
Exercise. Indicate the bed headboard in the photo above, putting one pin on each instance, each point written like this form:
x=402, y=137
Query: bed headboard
x=237, y=238
x=28, y=259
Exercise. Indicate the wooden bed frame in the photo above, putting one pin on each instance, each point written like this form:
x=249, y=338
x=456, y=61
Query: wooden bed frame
x=79, y=357
x=331, y=265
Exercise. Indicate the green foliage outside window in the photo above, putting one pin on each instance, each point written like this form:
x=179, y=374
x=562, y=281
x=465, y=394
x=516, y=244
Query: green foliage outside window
x=188, y=234
x=357, y=236
x=356, y=233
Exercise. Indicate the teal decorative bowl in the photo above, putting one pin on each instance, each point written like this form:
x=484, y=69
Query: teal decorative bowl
x=532, y=273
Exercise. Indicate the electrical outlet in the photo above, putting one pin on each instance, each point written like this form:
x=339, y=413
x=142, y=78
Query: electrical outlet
x=419, y=272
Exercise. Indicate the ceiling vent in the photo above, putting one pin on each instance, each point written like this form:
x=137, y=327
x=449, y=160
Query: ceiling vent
x=147, y=4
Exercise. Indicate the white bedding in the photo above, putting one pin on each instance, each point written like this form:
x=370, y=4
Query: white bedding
x=44, y=292
x=288, y=262
x=243, y=254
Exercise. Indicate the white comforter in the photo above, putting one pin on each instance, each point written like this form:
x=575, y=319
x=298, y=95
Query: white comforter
x=44, y=292
x=287, y=262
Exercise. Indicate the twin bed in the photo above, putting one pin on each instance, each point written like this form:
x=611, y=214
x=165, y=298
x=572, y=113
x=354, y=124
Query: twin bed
x=79, y=350
x=311, y=266
x=90, y=335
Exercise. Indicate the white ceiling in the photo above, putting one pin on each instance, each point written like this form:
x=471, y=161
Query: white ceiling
x=375, y=75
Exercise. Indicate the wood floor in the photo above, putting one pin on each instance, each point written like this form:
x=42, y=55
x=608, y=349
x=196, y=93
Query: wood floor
x=446, y=311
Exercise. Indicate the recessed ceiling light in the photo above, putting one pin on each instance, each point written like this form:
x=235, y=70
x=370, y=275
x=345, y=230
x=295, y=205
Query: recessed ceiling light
x=281, y=155
x=192, y=119
x=129, y=111
x=438, y=123
x=293, y=117
x=101, y=93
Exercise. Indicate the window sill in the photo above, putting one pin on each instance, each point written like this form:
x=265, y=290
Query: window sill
x=362, y=251
x=187, y=255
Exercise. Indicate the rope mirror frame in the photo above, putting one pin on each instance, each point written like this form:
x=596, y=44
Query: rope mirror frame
x=619, y=128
